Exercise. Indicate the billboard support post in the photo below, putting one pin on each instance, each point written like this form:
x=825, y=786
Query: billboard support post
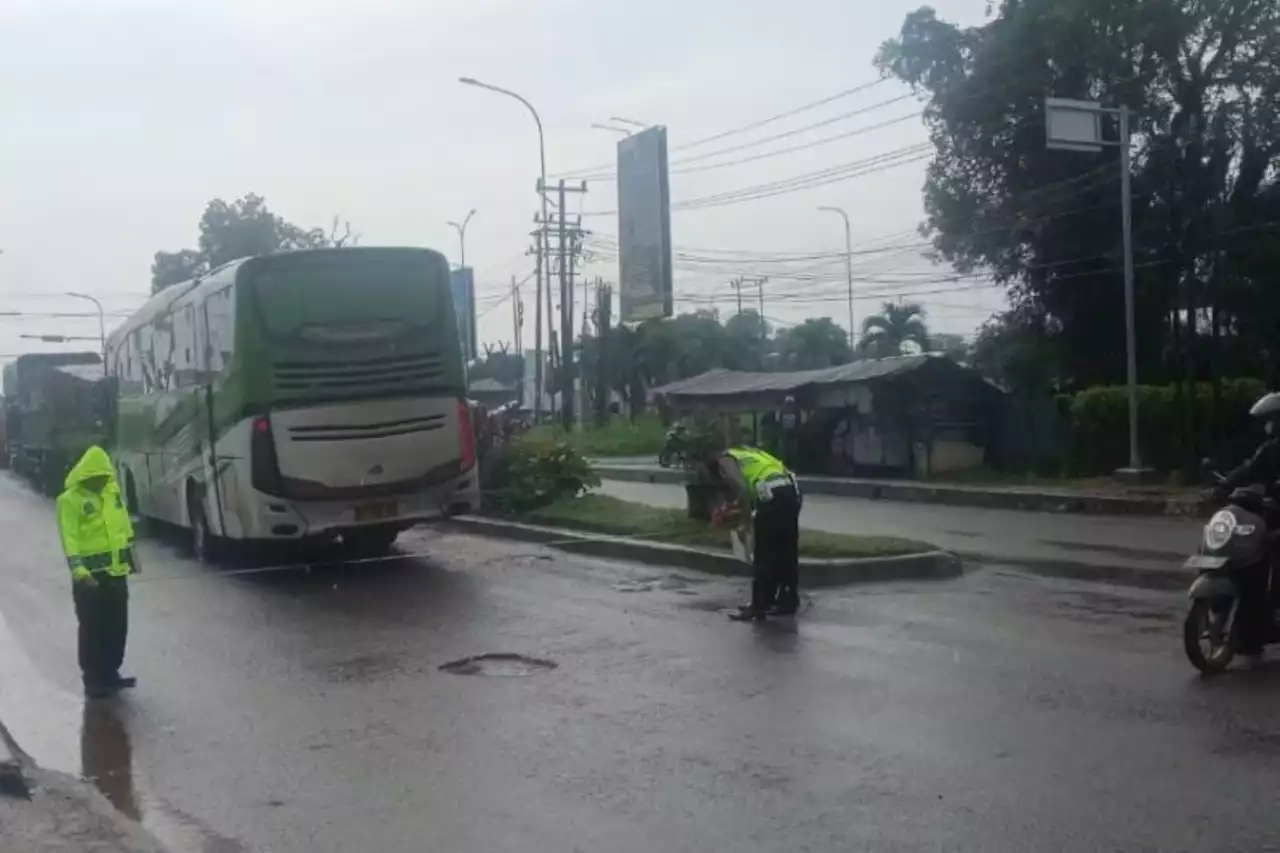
x=1072, y=125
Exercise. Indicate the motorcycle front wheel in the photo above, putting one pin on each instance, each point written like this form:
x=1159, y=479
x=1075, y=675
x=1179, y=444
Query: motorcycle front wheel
x=664, y=459
x=1206, y=637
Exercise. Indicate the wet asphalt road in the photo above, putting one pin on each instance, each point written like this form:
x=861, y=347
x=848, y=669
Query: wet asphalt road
x=1024, y=538
x=305, y=711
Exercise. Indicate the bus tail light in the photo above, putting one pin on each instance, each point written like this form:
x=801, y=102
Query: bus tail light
x=466, y=436
x=264, y=468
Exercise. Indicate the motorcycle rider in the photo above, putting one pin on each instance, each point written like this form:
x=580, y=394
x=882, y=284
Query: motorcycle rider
x=1261, y=468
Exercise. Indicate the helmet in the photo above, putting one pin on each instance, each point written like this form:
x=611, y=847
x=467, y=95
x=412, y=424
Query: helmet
x=1268, y=406
x=1268, y=409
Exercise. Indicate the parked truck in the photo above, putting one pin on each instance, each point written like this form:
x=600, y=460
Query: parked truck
x=56, y=405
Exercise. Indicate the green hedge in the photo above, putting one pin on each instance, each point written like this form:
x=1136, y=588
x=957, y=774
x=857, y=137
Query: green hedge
x=1100, y=425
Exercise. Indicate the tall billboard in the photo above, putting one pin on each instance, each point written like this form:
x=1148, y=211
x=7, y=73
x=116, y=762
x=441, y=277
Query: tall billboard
x=463, y=283
x=644, y=227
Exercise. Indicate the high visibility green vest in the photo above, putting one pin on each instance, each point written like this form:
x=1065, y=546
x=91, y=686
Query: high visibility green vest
x=94, y=526
x=757, y=466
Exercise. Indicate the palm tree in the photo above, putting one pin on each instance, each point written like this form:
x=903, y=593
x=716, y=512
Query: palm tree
x=884, y=334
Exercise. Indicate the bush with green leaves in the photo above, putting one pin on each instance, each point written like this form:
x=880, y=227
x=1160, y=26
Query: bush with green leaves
x=1100, y=425
x=529, y=474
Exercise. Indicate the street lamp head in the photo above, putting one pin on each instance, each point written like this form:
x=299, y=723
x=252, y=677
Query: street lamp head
x=468, y=81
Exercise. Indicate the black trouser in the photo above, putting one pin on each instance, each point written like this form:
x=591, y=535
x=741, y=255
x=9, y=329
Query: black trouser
x=1255, y=609
x=103, y=614
x=776, y=579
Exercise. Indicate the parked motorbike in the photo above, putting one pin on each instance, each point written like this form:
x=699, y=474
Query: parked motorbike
x=1237, y=540
x=674, y=447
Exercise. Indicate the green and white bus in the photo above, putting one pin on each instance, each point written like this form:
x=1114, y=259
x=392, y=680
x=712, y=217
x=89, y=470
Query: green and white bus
x=297, y=396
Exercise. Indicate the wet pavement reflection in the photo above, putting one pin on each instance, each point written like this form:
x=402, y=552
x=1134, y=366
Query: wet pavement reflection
x=106, y=755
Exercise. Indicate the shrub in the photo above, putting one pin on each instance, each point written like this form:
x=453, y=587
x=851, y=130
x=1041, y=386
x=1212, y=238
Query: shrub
x=620, y=437
x=1100, y=425
x=529, y=474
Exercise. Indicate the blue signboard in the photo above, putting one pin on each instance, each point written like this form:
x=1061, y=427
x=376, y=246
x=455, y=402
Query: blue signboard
x=463, y=284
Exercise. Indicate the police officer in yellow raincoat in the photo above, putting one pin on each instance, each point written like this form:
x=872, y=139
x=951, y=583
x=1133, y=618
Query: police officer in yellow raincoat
x=97, y=538
x=761, y=484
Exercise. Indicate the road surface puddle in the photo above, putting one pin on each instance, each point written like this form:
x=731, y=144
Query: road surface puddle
x=498, y=665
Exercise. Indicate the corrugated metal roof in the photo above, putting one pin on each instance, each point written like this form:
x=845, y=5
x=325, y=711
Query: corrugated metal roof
x=490, y=386
x=726, y=383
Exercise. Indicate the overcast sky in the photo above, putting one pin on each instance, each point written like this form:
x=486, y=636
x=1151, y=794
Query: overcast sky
x=122, y=118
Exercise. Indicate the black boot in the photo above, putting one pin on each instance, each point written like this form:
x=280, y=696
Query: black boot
x=788, y=603
x=747, y=613
x=122, y=682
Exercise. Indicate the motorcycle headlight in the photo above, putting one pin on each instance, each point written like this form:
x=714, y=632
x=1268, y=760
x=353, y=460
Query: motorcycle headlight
x=1218, y=532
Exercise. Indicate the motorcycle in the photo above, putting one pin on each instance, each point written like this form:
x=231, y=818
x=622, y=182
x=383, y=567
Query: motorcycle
x=1236, y=541
x=673, y=447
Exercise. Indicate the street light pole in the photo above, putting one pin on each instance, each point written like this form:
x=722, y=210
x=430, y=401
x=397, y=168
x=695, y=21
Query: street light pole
x=462, y=238
x=542, y=237
x=848, y=263
x=1072, y=125
x=102, y=326
x=1130, y=322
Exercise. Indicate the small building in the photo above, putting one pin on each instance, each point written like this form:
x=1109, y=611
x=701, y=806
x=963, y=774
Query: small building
x=908, y=416
x=491, y=393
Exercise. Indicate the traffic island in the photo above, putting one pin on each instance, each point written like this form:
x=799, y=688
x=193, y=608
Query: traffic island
x=610, y=528
x=1082, y=501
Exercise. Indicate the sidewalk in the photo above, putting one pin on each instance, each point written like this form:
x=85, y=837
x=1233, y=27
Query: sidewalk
x=65, y=815
x=1026, y=498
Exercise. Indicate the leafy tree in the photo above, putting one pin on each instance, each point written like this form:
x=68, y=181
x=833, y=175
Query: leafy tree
x=229, y=231
x=1018, y=349
x=1202, y=78
x=814, y=344
x=898, y=328
x=747, y=341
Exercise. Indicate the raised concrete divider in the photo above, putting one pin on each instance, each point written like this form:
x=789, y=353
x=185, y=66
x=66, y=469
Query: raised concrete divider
x=813, y=572
x=13, y=764
x=990, y=497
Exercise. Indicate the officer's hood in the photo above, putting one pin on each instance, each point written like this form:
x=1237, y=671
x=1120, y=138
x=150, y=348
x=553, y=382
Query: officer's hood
x=94, y=463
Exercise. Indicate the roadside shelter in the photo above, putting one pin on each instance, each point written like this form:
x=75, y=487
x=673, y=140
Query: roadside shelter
x=491, y=393
x=914, y=416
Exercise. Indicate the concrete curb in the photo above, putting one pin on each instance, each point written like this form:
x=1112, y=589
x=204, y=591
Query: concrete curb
x=13, y=764
x=1173, y=579
x=1020, y=499
x=813, y=573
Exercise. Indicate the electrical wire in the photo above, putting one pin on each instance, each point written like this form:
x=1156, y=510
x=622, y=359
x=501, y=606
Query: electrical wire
x=784, y=135
x=844, y=93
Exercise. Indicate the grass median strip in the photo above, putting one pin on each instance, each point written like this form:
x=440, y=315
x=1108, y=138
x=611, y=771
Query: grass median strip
x=593, y=513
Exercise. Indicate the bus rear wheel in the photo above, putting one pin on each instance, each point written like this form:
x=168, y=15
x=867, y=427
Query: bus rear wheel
x=204, y=545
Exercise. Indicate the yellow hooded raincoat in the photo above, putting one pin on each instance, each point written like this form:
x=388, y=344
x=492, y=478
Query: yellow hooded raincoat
x=97, y=535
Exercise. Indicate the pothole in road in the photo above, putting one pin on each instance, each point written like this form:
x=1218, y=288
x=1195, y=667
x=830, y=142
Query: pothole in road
x=498, y=665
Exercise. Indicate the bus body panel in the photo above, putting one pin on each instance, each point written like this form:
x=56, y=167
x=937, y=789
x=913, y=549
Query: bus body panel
x=347, y=359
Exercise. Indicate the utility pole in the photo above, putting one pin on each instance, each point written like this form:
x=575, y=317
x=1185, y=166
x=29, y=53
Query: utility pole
x=568, y=257
x=538, y=355
x=604, y=319
x=759, y=288
x=517, y=312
